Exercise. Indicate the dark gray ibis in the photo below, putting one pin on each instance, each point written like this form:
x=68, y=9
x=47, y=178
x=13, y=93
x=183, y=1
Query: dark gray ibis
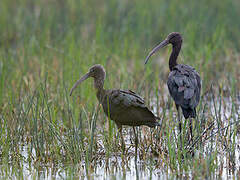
x=124, y=107
x=184, y=82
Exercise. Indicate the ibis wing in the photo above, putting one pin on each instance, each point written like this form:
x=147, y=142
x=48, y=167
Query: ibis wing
x=128, y=108
x=184, y=85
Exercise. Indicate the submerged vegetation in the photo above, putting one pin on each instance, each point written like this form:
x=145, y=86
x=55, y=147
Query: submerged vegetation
x=46, y=45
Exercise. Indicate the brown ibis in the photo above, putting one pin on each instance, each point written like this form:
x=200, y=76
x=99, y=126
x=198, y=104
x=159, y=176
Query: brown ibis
x=124, y=107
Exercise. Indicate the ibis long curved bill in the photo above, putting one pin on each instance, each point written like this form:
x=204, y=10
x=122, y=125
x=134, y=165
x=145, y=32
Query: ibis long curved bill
x=79, y=81
x=155, y=49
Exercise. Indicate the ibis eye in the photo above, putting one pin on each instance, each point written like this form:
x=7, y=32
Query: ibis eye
x=171, y=38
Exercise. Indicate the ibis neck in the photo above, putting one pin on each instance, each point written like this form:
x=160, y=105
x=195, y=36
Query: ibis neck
x=174, y=55
x=98, y=84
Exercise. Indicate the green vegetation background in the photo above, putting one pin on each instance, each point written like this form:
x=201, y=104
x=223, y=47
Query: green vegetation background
x=45, y=46
x=63, y=38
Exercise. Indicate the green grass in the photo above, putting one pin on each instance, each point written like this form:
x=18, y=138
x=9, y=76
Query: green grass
x=45, y=46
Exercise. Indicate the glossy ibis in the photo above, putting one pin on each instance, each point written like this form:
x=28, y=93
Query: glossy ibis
x=124, y=107
x=184, y=83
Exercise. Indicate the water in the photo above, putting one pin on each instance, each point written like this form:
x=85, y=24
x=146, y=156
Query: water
x=118, y=166
x=115, y=168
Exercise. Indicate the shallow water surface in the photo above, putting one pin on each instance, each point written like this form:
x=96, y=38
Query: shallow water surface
x=218, y=149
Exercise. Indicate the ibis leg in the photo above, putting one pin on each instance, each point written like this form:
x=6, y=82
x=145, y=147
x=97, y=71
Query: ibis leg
x=190, y=127
x=122, y=139
x=179, y=119
x=179, y=124
x=136, y=140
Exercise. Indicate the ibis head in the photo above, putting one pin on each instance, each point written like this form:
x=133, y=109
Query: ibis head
x=97, y=72
x=173, y=38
